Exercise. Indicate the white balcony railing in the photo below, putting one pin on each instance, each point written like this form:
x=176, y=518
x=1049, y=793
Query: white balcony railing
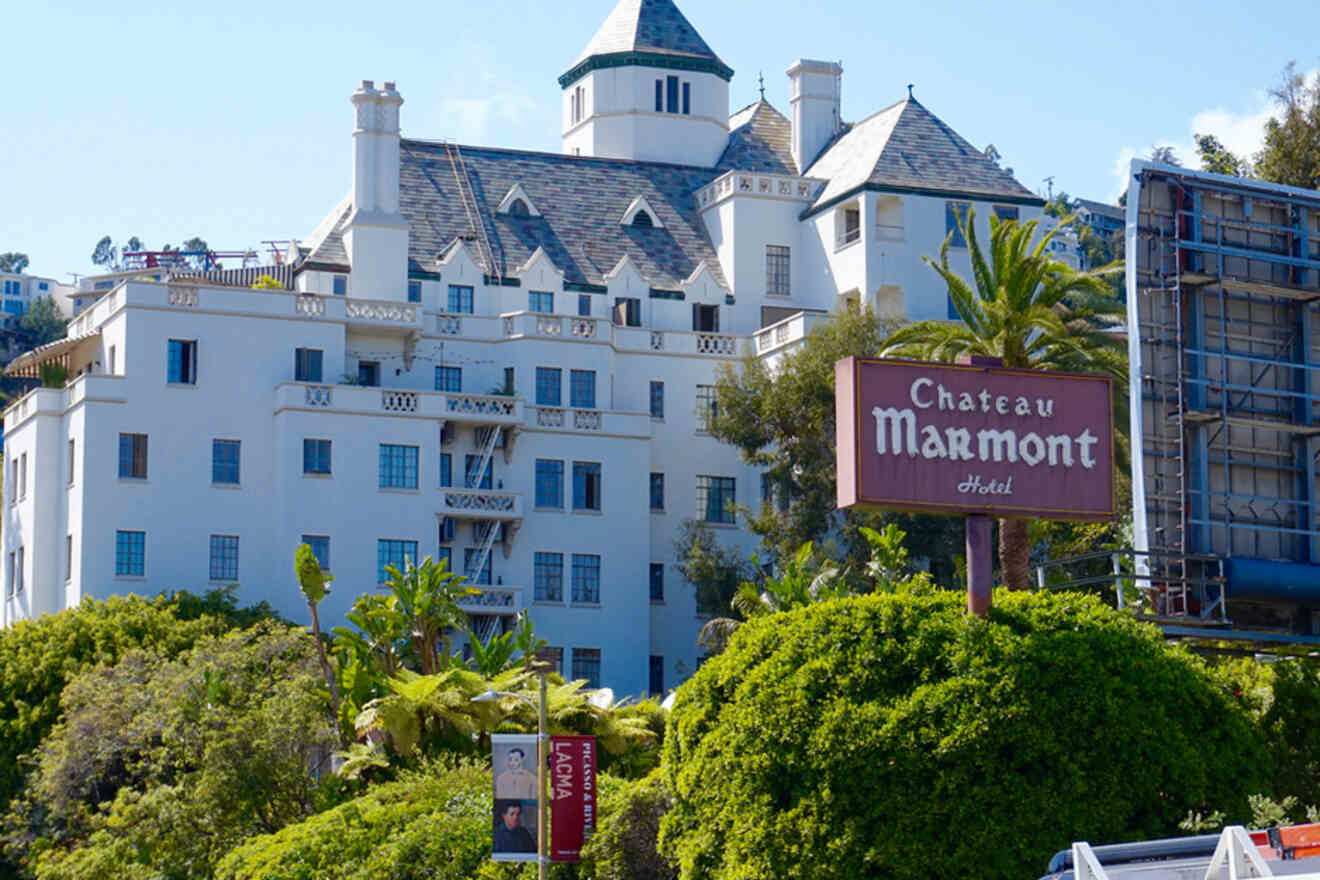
x=497, y=599
x=480, y=504
x=478, y=409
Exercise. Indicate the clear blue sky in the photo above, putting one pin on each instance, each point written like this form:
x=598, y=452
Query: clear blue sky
x=231, y=120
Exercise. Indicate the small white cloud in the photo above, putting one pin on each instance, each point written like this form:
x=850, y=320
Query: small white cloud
x=472, y=120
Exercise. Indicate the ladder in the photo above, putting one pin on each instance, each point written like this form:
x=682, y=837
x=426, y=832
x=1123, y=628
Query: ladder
x=483, y=556
x=476, y=222
x=472, y=479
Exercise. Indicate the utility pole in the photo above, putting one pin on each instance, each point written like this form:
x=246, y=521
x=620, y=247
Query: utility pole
x=1049, y=182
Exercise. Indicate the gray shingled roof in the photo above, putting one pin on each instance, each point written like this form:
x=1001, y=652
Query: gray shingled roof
x=647, y=26
x=581, y=201
x=907, y=147
x=760, y=139
x=1103, y=208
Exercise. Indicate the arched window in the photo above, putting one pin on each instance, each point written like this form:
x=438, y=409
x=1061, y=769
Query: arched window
x=643, y=219
x=519, y=208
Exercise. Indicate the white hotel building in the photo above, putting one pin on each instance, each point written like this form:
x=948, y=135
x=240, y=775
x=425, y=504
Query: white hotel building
x=501, y=357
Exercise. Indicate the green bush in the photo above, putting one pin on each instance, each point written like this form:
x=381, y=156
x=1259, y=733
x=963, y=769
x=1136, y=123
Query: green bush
x=1292, y=729
x=624, y=846
x=892, y=736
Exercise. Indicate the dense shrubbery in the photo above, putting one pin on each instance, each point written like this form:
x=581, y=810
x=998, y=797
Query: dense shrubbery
x=624, y=845
x=893, y=736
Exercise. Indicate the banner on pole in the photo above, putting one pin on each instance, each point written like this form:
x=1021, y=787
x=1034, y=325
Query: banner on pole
x=572, y=795
x=513, y=763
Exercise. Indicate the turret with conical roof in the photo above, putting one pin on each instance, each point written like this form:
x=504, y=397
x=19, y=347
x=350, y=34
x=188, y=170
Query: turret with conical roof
x=647, y=87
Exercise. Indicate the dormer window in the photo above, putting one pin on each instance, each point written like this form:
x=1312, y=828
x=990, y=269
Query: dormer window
x=519, y=208
x=643, y=219
x=640, y=214
x=517, y=203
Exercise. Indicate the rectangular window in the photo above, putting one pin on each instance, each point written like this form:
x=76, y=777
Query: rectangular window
x=586, y=578
x=22, y=476
x=586, y=666
x=548, y=382
x=398, y=466
x=582, y=389
x=955, y=214
x=657, y=491
x=445, y=556
x=399, y=554
x=687, y=99
x=73, y=460
x=657, y=582
x=320, y=545
x=130, y=554
x=369, y=373
x=132, y=456
x=548, y=577
x=448, y=528
x=414, y=291
x=659, y=96
x=671, y=94
x=656, y=683
x=10, y=591
x=584, y=305
x=449, y=379
x=852, y=225
x=549, y=483
x=181, y=365
x=555, y=657
x=316, y=456
x=715, y=498
x=225, y=461
x=538, y=301
x=508, y=380
x=777, y=282
x=307, y=364
x=705, y=319
x=586, y=485
x=471, y=556
x=627, y=311
x=340, y=285
x=13, y=475
x=224, y=558
x=460, y=299
x=18, y=571
x=707, y=408
x=446, y=470
x=1006, y=212
x=112, y=360
x=471, y=464
x=68, y=557
x=657, y=400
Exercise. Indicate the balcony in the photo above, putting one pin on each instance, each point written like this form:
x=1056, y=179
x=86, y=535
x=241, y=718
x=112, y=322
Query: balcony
x=377, y=315
x=480, y=504
x=590, y=421
x=497, y=599
x=476, y=409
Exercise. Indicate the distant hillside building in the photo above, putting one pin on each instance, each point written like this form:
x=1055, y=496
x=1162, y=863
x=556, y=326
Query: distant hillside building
x=1106, y=220
x=499, y=357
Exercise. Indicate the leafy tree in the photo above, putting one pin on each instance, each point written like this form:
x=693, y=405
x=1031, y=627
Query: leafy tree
x=105, y=254
x=1291, y=153
x=624, y=845
x=1032, y=312
x=1217, y=159
x=12, y=261
x=198, y=246
x=313, y=584
x=43, y=322
x=427, y=596
x=848, y=738
x=714, y=570
x=1061, y=207
x=502, y=650
x=1165, y=155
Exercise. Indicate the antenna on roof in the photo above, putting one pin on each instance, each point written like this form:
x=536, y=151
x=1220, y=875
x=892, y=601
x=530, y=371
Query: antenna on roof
x=910, y=91
x=760, y=78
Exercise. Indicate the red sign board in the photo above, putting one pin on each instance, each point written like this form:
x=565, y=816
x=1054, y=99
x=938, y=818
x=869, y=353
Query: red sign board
x=949, y=438
x=572, y=795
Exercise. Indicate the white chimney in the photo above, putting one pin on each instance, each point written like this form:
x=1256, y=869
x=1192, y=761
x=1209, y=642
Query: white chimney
x=815, y=90
x=376, y=236
x=365, y=146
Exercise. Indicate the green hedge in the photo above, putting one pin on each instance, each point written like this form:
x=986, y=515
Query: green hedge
x=891, y=736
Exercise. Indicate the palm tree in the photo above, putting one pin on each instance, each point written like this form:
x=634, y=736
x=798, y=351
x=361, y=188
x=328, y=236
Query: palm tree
x=1032, y=312
x=428, y=597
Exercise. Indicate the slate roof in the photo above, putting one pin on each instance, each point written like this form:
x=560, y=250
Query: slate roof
x=581, y=201
x=1103, y=209
x=907, y=147
x=647, y=26
x=760, y=139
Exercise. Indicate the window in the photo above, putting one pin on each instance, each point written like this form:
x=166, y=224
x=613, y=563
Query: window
x=657, y=582
x=549, y=483
x=307, y=364
x=584, y=305
x=18, y=571
x=181, y=366
x=671, y=94
x=582, y=389
x=540, y=301
x=705, y=319
x=132, y=456
x=586, y=485
x=1006, y=212
x=414, y=291
x=586, y=578
x=471, y=464
x=398, y=466
x=111, y=360
x=9, y=592
x=508, y=380
x=657, y=491
x=448, y=528
x=224, y=557
x=340, y=285
x=548, y=381
x=707, y=408
x=777, y=282
x=518, y=208
x=460, y=299
x=22, y=476
x=316, y=456
x=715, y=497
x=657, y=400
x=847, y=225
x=548, y=577
x=627, y=309
x=586, y=666
x=224, y=461
x=13, y=479
x=73, y=459
x=687, y=99
x=320, y=545
x=130, y=553
x=555, y=657
x=955, y=214
x=68, y=557
x=659, y=96
x=643, y=220
x=449, y=379
x=369, y=373
x=390, y=551
x=471, y=556
x=446, y=470
x=656, y=683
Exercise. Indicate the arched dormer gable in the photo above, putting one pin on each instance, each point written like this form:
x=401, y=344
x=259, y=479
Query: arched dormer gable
x=701, y=286
x=626, y=279
x=633, y=216
x=459, y=265
x=540, y=272
x=517, y=203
